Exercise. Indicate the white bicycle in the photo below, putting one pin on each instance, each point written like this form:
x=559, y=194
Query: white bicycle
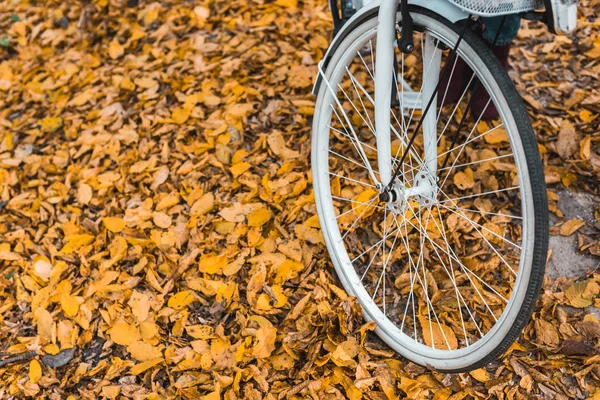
x=434, y=219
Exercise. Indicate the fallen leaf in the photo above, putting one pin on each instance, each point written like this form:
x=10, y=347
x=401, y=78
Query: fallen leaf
x=571, y=226
x=35, y=371
x=123, y=333
x=259, y=217
x=115, y=50
x=114, y=224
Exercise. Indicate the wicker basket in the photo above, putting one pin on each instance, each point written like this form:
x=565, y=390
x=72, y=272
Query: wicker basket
x=498, y=7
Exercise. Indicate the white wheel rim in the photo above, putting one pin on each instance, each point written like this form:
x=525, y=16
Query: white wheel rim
x=418, y=352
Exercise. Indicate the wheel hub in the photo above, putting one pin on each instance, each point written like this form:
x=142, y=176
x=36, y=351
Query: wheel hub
x=424, y=191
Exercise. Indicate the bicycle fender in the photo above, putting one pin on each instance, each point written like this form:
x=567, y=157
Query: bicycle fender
x=442, y=7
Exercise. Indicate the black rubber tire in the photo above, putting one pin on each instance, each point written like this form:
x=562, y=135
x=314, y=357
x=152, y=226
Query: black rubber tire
x=538, y=188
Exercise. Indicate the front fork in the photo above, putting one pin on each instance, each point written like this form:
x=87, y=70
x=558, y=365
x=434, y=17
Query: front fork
x=385, y=82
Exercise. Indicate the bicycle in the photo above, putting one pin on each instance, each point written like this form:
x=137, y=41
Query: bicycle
x=436, y=221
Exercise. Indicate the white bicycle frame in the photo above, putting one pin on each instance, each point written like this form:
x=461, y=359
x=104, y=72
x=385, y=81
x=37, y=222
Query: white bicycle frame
x=384, y=75
x=386, y=36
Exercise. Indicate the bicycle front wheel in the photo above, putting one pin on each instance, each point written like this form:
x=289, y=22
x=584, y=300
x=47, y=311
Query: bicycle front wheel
x=449, y=274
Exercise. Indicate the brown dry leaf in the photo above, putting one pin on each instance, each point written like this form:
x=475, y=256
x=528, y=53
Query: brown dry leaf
x=161, y=220
x=464, y=179
x=567, y=143
x=546, y=333
x=84, y=193
x=158, y=228
x=437, y=334
x=570, y=227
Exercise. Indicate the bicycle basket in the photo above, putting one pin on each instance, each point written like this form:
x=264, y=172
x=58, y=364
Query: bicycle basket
x=498, y=7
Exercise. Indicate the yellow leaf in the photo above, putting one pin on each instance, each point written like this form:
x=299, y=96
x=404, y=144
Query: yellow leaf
x=111, y=391
x=45, y=323
x=280, y=297
x=181, y=300
x=277, y=145
x=69, y=304
x=35, y=371
x=168, y=201
x=364, y=203
x=180, y=115
x=200, y=331
x=480, y=375
x=148, y=330
x=212, y=396
x=282, y=362
x=151, y=16
x=143, y=351
x=127, y=84
x=288, y=270
x=287, y=3
x=259, y=217
x=498, y=135
x=145, y=365
x=115, y=50
x=265, y=338
x=203, y=205
x=442, y=394
x=114, y=224
x=313, y=222
x=212, y=264
x=140, y=305
x=571, y=226
x=81, y=99
x=344, y=353
x=585, y=148
x=576, y=295
x=437, y=334
x=586, y=116
x=239, y=168
x=594, y=53
x=51, y=124
x=124, y=334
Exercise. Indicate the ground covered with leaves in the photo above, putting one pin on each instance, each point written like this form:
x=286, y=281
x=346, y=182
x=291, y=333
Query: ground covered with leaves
x=158, y=233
